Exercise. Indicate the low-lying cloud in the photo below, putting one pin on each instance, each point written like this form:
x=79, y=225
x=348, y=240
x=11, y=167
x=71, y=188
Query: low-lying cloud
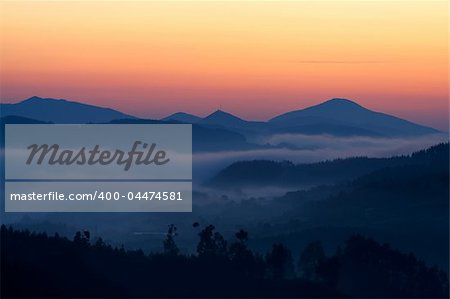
x=315, y=148
x=358, y=145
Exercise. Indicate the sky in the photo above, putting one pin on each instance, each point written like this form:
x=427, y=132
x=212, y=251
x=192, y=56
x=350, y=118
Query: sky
x=254, y=59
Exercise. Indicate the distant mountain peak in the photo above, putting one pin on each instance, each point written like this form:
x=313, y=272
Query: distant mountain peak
x=39, y=99
x=222, y=115
x=338, y=102
x=341, y=101
x=61, y=111
x=180, y=114
x=221, y=112
x=331, y=107
x=33, y=98
x=350, y=115
x=182, y=117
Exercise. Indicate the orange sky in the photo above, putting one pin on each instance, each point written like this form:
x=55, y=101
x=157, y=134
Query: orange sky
x=255, y=59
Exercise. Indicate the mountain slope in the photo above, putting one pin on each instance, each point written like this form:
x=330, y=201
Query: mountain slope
x=205, y=138
x=263, y=173
x=231, y=122
x=223, y=118
x=343, y=113
x=61, y=111
x=182, y=117
x=338, y=117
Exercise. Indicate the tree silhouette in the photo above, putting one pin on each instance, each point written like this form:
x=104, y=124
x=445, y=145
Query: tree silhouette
x=279, y=262
x=310, y=258
x=366, y=268
x=169, y=245
x=243, y=259
x=82, y=238
x=211, y=243
x=242, y=236
x=362, y=268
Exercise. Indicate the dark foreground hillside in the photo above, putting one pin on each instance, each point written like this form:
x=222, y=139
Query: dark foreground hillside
x=285, y=173
x=405, y=205
x=36, y=265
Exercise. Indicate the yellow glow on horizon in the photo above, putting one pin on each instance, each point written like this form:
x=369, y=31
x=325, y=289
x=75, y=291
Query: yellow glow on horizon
x=129, y=50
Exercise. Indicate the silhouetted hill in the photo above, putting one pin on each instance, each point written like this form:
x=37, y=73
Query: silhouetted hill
x=220, y=269
x=60, y=111
x=413, y=191
x=182, y=117
x=223, y=118
x=84, y=270
x=406, y=205
x=272, y=173
x=205, y=138
x=338, y=117
x=346, y=115
x=324, y=127
x=14, y=119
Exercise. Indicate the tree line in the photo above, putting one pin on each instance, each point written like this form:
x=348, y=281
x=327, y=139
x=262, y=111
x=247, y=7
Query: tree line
x=38, y=265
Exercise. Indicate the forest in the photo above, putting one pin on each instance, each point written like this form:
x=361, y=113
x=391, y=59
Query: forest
x=286, y=173
x=39, y=265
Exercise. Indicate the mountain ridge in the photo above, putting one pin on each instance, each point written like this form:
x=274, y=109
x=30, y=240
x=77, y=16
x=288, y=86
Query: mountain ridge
x=263, y=173
x=182, y=117
x=344, y=112
x=337, y=117
x=60, y=111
